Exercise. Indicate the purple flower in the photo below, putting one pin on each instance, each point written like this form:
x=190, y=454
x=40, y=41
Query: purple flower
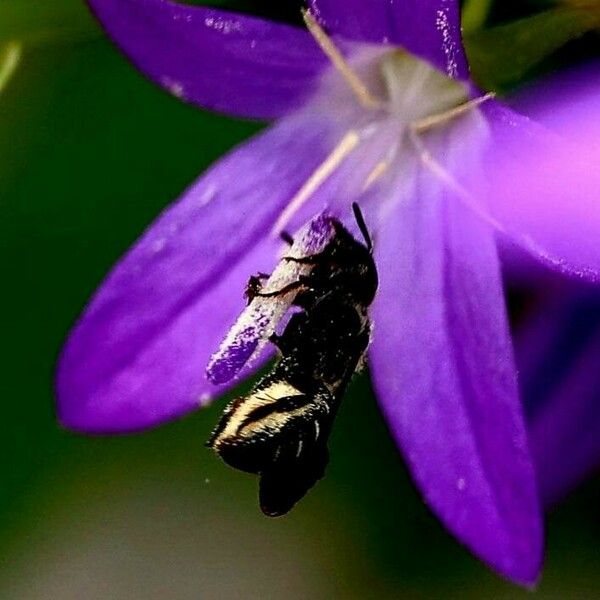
x=441, y=356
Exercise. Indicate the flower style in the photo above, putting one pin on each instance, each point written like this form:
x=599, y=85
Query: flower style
x=385, y=133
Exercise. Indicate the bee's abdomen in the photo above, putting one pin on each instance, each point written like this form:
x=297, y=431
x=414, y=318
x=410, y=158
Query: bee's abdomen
x=275, y=422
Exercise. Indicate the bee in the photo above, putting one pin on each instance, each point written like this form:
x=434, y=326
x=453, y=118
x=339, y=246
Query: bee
x=281, y=428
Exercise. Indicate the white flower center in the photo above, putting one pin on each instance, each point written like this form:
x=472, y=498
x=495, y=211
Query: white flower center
x=415, y=90
x=396, y=114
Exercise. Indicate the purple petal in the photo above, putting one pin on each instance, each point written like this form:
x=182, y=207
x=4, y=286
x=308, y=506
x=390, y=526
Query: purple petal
x=565, y=438
x=567, y=102
x=558, y=352
x=443, y=369
x=224, y=61
x=543, y=189
x=138, y=355
x=428, y=28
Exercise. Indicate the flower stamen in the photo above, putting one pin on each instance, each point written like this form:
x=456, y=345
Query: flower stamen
x=443, y=175
x=362, y=93
x=314, y=182
x=432, y=121
x=378, y=171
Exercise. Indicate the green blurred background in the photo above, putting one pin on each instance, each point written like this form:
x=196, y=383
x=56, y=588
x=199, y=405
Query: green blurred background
x=89, y=153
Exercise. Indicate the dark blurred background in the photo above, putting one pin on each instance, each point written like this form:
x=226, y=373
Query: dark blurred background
x=90, y=152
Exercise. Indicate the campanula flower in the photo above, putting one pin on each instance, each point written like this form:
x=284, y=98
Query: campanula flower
x=429, y=169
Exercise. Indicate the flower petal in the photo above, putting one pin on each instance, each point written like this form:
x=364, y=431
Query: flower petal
x=428, y=28
x=567, y=102
x=443, y=370
x=138, y=355
x=224, y=61
x=564, y=434
x=557, y=354
x=543, y=190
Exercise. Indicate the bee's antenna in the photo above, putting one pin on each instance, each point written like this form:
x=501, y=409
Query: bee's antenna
x=360, y=220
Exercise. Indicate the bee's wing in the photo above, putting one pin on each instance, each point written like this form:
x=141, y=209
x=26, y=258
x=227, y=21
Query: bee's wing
x=286, y=482
x=301, y=457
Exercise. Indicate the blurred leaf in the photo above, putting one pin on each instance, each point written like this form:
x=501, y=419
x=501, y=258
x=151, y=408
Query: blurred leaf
x=35, y=22
x=502, y=56
x=10, y=57
x=474, y=14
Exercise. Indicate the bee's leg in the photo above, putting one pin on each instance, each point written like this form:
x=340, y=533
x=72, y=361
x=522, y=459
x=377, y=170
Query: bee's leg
x=275, y=339
x=256, y=279
x=254, y=286
x=302, y=282
x=311, y=259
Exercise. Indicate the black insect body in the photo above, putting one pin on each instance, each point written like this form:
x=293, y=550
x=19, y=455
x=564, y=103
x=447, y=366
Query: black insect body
x=281, y=428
